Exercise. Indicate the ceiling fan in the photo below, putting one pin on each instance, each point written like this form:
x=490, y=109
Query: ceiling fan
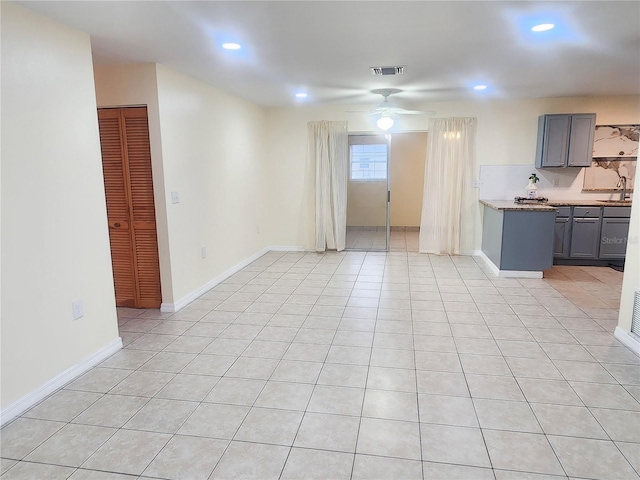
x=387, y=111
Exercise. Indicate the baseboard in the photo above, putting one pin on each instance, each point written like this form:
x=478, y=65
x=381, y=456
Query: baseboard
x=187, y=299
x=284, y=248
x=29, y=400
x=507, y=273
x=628, y=339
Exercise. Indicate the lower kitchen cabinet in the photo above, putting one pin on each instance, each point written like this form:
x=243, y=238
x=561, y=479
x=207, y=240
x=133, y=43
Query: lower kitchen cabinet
x=585, y=237
x=518, y=240
x=561, y=237
x=613, y=239
x=591, y=233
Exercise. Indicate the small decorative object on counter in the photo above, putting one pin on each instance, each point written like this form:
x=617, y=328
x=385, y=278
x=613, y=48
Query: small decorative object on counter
x=533, y=201
x=532, y=189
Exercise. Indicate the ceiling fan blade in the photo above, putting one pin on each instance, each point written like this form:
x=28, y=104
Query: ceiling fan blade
x=415, y=112
x=388, y=109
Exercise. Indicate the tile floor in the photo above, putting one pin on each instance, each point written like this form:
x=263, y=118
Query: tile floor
x=375, y=238
x=366, y=238
x=354, y=366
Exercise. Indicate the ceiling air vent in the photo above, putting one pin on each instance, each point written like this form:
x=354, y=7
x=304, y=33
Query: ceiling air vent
x=387, y=70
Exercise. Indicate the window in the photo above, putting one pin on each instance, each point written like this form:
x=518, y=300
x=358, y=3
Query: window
x=369, y=162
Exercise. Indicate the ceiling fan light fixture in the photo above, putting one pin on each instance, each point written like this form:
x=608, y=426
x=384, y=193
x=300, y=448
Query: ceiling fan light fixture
x=385, y=123
x=542, y=27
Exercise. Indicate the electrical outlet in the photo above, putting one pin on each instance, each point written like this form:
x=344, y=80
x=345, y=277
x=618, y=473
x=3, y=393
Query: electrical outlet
x=77, y=309
x=175, y=197
x=477, y=184
x=203, y=252
x=556, y=182
x=258, y=229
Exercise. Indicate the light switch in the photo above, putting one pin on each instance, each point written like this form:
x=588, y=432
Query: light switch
x=78, y=309
x=175, y=197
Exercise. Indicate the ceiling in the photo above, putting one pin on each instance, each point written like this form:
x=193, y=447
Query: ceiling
x=325, y=48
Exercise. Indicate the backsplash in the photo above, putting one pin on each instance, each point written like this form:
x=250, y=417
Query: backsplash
x=605, y=173
x=504, y=182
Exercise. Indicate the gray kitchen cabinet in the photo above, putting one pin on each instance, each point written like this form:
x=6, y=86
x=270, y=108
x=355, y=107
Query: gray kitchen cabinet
x=614, y=233
x=585, y=236
x=561, y=237
x=518, y=240
x=562, y=233
x=583, y=127
x=565, y=140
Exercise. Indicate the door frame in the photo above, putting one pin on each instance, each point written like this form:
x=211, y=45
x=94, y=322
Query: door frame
x=387, y=137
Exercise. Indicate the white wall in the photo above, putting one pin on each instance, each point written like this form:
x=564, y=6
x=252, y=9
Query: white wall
x=136, y=84
x=506, y=135
x=213, y=151
x=208, y=146
x=406, y=178
x=55, y=243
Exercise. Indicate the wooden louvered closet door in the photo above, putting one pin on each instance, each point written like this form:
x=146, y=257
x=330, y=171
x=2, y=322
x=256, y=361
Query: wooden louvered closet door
x=126, y=163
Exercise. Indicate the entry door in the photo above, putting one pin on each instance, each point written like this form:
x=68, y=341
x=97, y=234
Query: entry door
x=128, y=183
x=367, y=193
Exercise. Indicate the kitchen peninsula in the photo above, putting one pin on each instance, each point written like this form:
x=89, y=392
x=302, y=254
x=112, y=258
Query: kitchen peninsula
x=517, y=239
x=522, y=240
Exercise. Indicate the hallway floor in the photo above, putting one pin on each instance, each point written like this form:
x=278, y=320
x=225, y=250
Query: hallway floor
x=354, y=366
x=375, y=238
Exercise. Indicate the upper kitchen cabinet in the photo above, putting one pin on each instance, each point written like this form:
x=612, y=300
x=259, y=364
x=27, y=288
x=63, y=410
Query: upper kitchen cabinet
x=565, y=140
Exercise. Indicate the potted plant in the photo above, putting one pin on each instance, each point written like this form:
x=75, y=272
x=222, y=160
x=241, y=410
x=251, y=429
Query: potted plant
x=532, y=189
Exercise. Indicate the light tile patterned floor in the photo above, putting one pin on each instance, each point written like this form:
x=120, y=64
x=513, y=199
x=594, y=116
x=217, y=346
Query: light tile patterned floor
x=354, y=365
x=375, y=238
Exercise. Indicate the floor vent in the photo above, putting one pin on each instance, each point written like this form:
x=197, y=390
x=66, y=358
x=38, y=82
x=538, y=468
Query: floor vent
x=635, y=316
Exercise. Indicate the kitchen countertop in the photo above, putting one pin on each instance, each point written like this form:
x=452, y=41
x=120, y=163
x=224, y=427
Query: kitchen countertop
x=550, y=206
x=590, y=203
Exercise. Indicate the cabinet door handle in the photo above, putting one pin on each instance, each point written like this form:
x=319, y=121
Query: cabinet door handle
x=585, y=220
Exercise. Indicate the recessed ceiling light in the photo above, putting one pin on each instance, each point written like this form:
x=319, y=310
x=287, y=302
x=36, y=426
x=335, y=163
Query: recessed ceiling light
x=543, y=27
x=231, y=46
x=480, y=87
x=301, y=95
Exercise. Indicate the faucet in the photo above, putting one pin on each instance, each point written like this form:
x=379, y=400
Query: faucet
x=622, y=183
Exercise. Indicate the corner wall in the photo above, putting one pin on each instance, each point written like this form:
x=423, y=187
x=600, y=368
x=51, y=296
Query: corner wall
x=55, y=242
x=209, y=146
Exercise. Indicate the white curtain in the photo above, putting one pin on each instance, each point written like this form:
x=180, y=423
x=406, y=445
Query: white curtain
x=448, y=201
x=329, y=152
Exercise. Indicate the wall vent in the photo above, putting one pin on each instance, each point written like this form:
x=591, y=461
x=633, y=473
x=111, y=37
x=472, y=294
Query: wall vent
x=388, y=70
x=635, y=315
